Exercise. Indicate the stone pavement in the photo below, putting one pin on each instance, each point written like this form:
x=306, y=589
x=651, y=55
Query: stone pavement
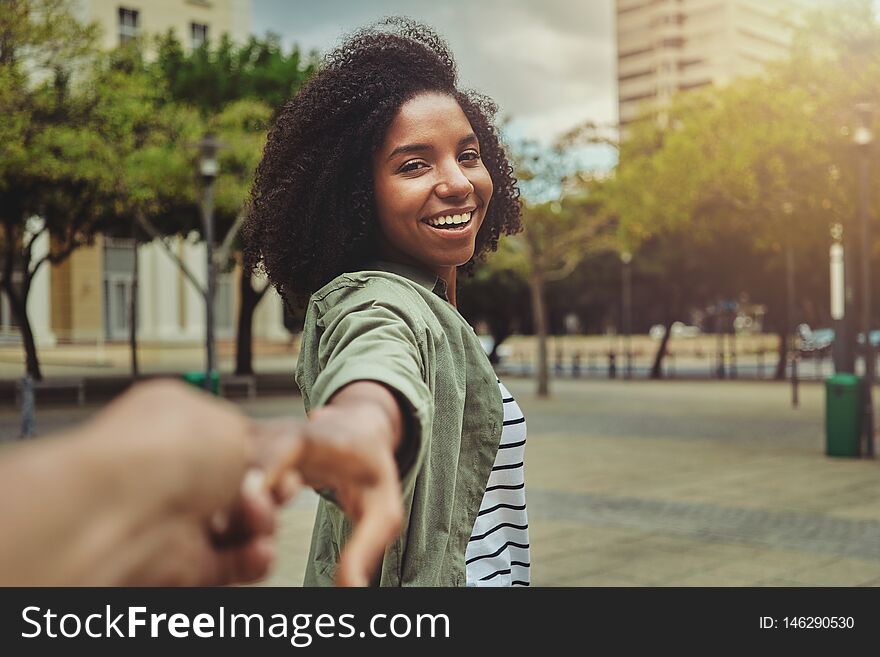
x=639, y=483
x=679, y=484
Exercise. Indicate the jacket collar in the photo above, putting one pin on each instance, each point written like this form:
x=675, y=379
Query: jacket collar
x=423, y=277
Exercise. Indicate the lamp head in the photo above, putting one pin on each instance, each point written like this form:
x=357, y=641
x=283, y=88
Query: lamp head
x=208, y=165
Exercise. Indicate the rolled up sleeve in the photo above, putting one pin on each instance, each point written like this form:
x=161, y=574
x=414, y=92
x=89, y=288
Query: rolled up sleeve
x=370, y=332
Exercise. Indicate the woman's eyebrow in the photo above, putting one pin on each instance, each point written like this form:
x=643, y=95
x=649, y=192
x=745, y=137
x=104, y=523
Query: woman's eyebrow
x=418, y=148
x=409, y=148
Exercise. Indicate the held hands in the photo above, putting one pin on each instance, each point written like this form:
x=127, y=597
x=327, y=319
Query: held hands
x=201, y=482
x=187, y=489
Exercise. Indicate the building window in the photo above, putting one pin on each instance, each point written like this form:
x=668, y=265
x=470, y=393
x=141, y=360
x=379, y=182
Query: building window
x=199, y=34
x=673, y=42
x=636, y=75
x=694, y=85
x=634, y=53
x=129, y=25
x=119, y=255
x=7, y=319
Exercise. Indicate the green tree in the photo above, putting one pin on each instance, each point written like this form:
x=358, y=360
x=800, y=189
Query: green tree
x=237, y=89
x=749, y=169
x=558, y=235
x=497, y=293
x=53, y=156
x=565, y=219
x=153, y=167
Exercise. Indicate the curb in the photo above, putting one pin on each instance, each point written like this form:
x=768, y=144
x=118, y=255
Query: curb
x=102, y=389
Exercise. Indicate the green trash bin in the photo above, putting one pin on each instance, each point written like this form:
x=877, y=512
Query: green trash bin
x=197, y=378
x=843, y=415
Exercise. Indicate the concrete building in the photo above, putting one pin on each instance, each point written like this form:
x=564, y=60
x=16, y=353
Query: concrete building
x=666, y=46
x=194, y=21
x=86, y=298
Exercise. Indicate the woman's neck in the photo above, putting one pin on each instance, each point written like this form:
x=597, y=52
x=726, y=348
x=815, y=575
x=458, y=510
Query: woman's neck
x=449, y=276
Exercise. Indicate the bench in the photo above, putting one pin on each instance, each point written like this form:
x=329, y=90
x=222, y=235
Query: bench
x=74, y=383
x=246, y=381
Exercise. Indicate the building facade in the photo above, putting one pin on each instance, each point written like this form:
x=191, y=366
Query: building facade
x=87, y=298
x=667, y=46
x=194, y=21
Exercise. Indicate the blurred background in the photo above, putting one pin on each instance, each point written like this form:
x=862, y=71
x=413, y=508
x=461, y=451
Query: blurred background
x=688, y=319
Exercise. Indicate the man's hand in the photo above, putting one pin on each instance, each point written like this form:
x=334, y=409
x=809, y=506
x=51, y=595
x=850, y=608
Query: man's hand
x=190, y=464
x=162, y=487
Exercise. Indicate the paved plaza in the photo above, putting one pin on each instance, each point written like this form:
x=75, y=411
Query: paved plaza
x=640, y=483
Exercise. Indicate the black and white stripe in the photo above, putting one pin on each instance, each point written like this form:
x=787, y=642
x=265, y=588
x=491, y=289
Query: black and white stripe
x=498, y=551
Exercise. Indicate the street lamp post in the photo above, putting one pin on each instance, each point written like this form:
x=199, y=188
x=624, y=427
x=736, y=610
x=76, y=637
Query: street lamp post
x=208, y=169
x=626, y=278
x=864, y=139
x=719, y=338
x=788, y=210
x=841, y=300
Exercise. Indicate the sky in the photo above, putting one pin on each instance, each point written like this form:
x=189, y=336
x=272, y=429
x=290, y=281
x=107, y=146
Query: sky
x=548, y=64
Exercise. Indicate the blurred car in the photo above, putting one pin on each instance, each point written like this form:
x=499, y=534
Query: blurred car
x=815, y=342
x=875, y=338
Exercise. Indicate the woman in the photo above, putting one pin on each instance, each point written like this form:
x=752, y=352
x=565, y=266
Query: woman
x=379, y=180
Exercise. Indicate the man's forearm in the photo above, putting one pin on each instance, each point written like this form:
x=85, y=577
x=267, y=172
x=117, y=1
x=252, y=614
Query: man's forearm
x=64, y=511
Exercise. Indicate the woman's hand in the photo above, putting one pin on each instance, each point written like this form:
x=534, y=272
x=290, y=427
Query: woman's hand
x=348, y=447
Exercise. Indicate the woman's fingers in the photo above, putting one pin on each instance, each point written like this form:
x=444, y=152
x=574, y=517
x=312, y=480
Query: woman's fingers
x=277, y=448
x=378, y=517
x=363, y=477
x=287, y=487
x=253, y=514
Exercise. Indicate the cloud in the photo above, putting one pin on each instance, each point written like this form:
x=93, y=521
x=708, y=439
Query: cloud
x=549, y=65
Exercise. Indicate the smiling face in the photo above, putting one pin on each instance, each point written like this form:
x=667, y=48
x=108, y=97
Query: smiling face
x=432, y=189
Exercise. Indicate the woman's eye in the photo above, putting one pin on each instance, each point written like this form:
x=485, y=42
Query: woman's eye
x=469, y=156
x=412, y=165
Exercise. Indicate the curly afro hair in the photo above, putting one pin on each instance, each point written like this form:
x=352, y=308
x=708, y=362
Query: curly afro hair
x=312, y=212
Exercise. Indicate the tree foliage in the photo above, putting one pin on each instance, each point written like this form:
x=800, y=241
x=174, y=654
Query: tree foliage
x=730, y=183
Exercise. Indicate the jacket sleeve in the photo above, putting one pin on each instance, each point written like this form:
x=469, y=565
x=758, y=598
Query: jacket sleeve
x=371, y=331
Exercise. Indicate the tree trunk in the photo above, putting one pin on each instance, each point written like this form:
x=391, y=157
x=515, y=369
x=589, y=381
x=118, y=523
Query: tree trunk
x=18, y=304
x=657, y=369
x=244, y=339
x=539, y=314
x=783, y=355
x=499, y=331
x=494, y=358
x=132, y=314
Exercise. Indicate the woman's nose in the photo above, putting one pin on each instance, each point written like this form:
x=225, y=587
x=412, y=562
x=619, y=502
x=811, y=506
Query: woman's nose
x=453, y=183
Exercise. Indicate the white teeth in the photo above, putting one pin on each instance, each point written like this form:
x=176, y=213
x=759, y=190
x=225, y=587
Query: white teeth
x=450, y=219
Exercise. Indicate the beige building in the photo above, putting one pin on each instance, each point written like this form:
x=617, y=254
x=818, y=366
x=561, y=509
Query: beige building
x=666, y=46
x=194, y=21
x=86, y=298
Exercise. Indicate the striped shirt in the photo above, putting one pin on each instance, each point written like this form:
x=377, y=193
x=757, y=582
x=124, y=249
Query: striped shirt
x=498, y=551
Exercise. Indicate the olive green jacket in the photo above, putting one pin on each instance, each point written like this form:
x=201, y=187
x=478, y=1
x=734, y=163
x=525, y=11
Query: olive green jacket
x=395, y=325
